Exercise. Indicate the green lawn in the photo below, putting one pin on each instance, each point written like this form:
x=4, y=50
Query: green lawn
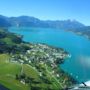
x=30, y=71
x=8, y=71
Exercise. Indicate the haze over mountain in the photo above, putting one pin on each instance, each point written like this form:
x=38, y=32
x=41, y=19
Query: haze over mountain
x=27, y=21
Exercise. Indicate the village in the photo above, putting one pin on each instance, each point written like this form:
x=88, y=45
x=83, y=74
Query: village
x=46, y=61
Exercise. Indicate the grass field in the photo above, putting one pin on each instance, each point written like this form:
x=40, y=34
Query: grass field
x=8, y=71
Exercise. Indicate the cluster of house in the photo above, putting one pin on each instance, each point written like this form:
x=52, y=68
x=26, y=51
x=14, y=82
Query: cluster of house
x=40, y=52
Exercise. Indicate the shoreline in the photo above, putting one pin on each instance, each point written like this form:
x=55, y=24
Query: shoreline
x=79, y=34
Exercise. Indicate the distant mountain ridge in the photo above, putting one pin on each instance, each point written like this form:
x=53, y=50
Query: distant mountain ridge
x=4, y=21
x=27, y=21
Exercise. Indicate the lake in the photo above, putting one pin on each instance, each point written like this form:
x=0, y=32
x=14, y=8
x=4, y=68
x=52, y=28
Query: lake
x=78, y=46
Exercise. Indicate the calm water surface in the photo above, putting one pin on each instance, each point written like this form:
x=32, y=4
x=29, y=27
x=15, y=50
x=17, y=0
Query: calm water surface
x=78, y=46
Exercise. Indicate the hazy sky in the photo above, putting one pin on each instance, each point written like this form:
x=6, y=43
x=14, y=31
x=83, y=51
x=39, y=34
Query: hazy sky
x=48, y=9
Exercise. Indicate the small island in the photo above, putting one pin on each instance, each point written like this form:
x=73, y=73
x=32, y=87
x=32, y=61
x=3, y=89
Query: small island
x=30, y=66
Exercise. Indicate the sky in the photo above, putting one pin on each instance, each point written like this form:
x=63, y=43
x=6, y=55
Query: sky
x=48, y=9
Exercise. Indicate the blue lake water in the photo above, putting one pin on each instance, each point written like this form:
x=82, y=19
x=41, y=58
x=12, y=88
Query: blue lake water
x=78, y=46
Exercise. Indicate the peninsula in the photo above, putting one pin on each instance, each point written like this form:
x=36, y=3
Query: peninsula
x=29, y=66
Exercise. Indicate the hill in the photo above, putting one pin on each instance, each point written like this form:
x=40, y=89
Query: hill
x=27, y=66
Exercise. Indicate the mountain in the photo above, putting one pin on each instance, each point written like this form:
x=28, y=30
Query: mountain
x=27, y=21
x=4, y=21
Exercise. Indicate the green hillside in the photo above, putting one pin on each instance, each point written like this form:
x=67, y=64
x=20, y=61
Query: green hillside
x=26, y=66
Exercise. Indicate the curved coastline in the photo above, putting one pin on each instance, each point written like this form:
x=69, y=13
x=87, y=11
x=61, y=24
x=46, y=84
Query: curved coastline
x=69, y=41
